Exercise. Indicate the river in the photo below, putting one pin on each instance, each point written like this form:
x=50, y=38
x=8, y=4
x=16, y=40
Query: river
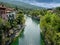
x=31, y=34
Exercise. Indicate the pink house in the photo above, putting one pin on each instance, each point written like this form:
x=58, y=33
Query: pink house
x=5, y=12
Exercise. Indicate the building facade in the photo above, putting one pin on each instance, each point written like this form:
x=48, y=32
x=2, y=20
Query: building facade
x=6, y=13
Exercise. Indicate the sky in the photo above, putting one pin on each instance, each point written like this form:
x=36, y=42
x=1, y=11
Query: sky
x=42, y=3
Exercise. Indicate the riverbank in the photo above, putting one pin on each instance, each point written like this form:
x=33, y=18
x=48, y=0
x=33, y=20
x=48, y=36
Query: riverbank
x=14, y=34
x=34, y=17
x=31, y=34
x=15, y=40
x=42, y=39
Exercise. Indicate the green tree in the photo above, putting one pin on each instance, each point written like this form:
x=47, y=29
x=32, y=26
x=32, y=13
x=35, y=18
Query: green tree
x=20, y=18
x=4, y=28
x=50, y=25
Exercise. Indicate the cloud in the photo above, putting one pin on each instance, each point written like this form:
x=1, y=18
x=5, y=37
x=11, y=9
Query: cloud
x=46, y=5
x=42, y=3
x=46, y=1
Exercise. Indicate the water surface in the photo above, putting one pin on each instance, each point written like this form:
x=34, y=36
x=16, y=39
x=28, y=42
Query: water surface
x=31, y=34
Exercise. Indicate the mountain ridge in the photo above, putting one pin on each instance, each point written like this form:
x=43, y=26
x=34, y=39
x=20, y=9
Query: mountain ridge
x=21, y=4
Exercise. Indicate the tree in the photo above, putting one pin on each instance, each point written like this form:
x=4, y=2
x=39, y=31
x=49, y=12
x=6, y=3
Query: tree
x=20, y=18
x=57, y=11
x=4, y=26
x=50, y=25
x=1, y=28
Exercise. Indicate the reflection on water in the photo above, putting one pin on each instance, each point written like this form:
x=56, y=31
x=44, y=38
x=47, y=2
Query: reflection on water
x=31, y=34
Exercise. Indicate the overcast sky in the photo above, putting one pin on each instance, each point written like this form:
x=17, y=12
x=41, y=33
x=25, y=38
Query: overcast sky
x=42, y=3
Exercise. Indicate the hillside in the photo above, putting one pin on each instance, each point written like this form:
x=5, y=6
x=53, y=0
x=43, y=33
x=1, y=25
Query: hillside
x=21, y=4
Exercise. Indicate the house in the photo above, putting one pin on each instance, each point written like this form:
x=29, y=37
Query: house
x=2, y=12
x=7, y=13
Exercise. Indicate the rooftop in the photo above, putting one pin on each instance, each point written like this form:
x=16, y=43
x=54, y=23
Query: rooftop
x=3, y=7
